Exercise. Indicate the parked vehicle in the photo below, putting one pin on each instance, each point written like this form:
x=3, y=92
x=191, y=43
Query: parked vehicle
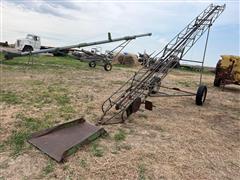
x=30, y=43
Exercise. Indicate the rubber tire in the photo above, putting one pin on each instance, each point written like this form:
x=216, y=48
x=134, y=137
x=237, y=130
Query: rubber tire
x=155, y=89
x=27, y=49
x=124, y=115
x=217, y=82
x=201, y=95
x=108, y=67
x=92, y=64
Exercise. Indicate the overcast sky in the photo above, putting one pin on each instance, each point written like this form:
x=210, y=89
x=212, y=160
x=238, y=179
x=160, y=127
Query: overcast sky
x=62, y=22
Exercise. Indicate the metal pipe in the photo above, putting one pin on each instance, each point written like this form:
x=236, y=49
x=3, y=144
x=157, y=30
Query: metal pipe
x=204, y=55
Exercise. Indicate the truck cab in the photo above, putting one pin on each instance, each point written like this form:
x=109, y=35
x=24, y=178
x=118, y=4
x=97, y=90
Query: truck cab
x=30, y=43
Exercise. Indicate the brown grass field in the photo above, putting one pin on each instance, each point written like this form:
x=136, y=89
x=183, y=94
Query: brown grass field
x=177, y=140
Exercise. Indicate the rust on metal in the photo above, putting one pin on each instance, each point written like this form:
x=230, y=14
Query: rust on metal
x=148, y=105
x=59, y=140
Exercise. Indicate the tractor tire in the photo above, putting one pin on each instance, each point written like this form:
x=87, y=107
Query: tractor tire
x=27, y=49
x=108, y=67
x=155, y=85
x=217, y=82
x=201, y=95
x=92, y=64
x=155, y=89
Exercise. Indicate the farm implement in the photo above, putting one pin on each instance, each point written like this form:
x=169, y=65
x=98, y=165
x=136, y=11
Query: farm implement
x=147, y=82
x=126, y=39
x=95, y=57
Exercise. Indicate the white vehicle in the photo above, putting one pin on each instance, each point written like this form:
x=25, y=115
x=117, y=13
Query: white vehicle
x=30, y=43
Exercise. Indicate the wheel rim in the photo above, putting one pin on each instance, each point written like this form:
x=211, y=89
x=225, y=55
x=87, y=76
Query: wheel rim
x=108, y=67
x=92, y=64
x=124, y=116
x=156, y=87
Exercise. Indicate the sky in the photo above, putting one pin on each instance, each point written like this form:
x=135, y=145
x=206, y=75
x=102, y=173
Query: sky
x=63, y=22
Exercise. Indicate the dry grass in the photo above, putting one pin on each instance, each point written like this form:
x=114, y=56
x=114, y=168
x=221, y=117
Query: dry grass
x=178, y=140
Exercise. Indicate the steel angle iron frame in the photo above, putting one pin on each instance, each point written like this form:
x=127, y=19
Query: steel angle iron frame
x=106, y=59
x=147, y=81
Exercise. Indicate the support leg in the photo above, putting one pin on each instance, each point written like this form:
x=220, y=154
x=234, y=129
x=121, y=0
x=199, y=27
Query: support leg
x=204, y=55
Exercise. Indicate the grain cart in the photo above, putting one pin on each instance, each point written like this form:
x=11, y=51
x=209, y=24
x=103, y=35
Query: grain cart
x=127, y=100
x=227, y=71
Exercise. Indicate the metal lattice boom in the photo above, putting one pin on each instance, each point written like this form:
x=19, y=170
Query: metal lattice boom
x=138, y=87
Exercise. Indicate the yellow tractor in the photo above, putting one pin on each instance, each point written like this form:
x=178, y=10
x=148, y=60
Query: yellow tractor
x=227, y=70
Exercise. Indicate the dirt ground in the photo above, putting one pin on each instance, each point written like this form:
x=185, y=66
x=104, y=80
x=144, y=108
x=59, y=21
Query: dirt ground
x=177, y=140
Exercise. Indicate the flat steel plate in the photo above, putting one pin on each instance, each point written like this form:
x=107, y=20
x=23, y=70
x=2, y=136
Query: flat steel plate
x=57, y=141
